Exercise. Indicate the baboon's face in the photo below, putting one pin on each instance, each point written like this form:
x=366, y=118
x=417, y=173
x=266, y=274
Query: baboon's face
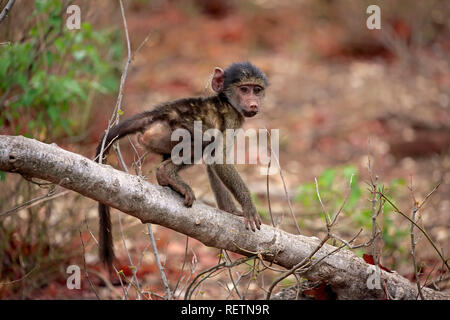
x=247, y=98
x=245, y=94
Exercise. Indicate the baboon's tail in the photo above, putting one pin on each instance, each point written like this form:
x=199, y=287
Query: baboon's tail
x=129, y=126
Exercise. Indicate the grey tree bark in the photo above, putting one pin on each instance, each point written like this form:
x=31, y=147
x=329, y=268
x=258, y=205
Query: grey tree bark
x=346, y=273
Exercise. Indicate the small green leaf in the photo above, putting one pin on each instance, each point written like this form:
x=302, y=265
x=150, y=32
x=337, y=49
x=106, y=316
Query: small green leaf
x=399, y=182
x=53, y=113
x=327, y=178
x=28, y=97
x=39, y=5
x=5, y=62
x=65, y=125
x=55, y=20
x=110, y=83
x=73, y=87
x=348, y=171
x=21, y=79
x=86, y=27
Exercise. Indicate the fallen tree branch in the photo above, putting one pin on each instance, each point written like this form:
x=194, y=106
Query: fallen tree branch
x=346, y=273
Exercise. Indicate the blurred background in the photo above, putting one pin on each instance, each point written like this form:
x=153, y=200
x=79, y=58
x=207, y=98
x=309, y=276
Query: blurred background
x=340, y=94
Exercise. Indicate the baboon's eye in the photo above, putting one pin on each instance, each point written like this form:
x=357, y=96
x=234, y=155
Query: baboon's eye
x=244, y=89
x=257, y=90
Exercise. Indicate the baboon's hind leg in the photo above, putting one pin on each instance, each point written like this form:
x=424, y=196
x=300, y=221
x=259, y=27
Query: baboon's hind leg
x=167, y=175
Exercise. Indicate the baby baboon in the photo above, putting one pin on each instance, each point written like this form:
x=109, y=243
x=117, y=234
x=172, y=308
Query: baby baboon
x=239, y=93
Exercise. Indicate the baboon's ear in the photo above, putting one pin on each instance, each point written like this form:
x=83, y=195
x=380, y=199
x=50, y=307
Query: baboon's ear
x=217, y=80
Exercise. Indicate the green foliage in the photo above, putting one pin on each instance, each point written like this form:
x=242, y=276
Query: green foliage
x=333, y=188
x=332, y=196
x=46, y=81
x=392, y=233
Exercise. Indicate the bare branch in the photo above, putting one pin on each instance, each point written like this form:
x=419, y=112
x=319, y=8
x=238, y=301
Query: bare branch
x=158, y=263
x=6, y=10
x=288, y=199
x=343, y=271
x=86, y=271
x=444, y=260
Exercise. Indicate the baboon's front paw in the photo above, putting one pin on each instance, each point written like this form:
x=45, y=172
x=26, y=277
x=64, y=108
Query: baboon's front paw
x=189, y=197
x=252, y=220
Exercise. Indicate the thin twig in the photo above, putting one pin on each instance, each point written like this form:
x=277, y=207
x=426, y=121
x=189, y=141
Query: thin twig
x=141, y=45
x=250, y=279
x=136, y=268
x=119, y=217
x=188, y=293
x=267, y=182
x=436, y=282
x=285, y=189
x=116, y=114
x=307, y=262
x=34, y=202
x=85, y=269
x=268, y=194
x=184, y=263
x=327, y=219
x=125, y=291
x=158, y=263
x=445, y=261
x=428, y=276
x=428, y=196
x=20, y=279
x=373, y=185
x=296, y=267
x=106, y=281
x=119, y=155
x=225, y=256
x=115, y=119
x=6, y=10
x=413, y=241
x=194, y=263
x=211, y=270
x=349, y=243
x=333, y=222
x=137, y=164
